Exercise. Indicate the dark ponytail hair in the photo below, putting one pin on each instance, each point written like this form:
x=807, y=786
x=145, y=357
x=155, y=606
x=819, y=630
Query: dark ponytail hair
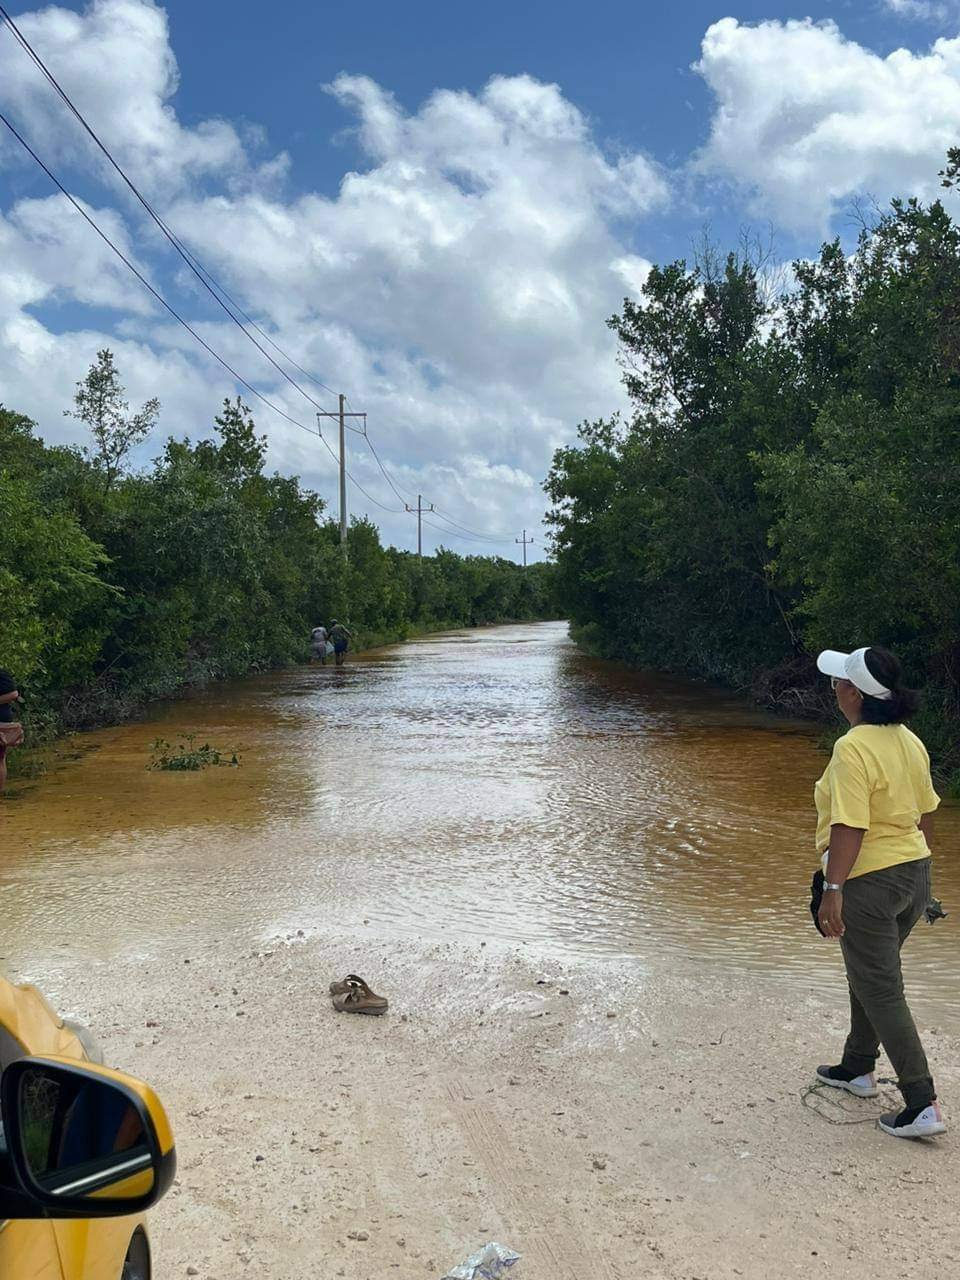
x=883, y=666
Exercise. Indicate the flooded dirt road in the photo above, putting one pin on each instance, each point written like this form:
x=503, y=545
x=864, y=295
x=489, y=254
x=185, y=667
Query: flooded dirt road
x=494, y=785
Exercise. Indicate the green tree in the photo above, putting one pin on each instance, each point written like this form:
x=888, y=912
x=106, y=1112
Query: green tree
x=99, y=402
x=203, y=566
x=867, y=524
x=658, y=525
x=790, y=476
x=51, y=571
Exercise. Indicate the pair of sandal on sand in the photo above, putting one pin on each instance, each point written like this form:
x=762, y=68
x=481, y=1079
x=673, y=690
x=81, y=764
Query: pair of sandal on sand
x=352, y=995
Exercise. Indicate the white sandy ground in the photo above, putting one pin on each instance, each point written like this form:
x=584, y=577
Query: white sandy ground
x=667, y=1141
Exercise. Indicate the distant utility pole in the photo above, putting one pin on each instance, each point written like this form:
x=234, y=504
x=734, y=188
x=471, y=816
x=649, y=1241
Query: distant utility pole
x=343, y=464
x=419, y=509
x=526, y=542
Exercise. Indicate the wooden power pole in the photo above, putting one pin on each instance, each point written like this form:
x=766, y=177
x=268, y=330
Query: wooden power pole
x=341, y=416
x=419, y=509
x=526, y=542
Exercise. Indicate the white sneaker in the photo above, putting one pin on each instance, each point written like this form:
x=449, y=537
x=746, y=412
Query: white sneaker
x=864, y=1086
x=914, y=1122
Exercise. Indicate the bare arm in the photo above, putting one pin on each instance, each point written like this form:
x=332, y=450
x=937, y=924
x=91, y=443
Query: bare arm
x=844, y=848
x=926, y=826
x=5, y=698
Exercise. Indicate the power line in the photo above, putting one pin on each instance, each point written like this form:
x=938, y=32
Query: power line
x=176, y=315
x=475, y=533
x=211, y=285
x=402, y=497
x=147, y=285
x=486, y=537
x=353, y=480
x=386, y=474
x=472, y=535
x=185, y=323
x=465, y=537
x=200, y=271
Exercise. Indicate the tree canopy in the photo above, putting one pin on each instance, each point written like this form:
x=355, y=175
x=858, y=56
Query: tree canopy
x=788, y=479
x=118, y=585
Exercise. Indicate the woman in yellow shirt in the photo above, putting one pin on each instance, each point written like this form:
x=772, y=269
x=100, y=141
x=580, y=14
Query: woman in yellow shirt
x=875, y=806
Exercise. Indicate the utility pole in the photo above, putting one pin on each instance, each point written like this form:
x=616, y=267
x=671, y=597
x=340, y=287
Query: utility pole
x=343, y=481
x=419, y=509
x=526, y=542
x=343, y=463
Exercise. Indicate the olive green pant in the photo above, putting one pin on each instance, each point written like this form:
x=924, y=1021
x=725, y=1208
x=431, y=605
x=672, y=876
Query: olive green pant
x=879, y=911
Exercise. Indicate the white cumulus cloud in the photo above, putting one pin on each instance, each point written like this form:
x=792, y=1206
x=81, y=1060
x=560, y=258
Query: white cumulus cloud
x=456, y=286
x=932, y=11
x=806, y=119
x=116, y=64
x=52, y=256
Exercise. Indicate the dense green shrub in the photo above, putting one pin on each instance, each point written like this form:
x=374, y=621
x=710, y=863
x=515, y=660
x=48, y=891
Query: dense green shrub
x=116, y=588
x=790, y=477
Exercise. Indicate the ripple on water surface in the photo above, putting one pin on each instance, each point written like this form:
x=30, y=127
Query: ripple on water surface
x=494, y=783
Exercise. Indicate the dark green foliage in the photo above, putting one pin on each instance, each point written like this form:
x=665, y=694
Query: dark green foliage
x=951, y=174
x=790, y=479
x=203, y=567
x=186, y=756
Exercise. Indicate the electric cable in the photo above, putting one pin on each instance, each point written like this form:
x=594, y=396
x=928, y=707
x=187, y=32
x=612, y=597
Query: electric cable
x=355, y=481
x=386, y=475
x=466, y=537
x=216, y=291
x=148, y=286
x=468, y=534
x=489, y=537
x=475, y=533
x=179, y=318
x=198, y=269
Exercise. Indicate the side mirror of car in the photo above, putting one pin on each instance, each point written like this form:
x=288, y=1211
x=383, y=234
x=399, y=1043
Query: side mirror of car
x=83, y=1141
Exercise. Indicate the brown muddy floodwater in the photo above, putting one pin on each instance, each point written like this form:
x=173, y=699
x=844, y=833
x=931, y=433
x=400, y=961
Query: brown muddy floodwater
x=492, y=784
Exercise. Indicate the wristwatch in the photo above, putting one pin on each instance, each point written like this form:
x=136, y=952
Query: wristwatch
x=828, y=885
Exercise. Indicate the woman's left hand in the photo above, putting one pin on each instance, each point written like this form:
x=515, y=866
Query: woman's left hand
x=830, y=914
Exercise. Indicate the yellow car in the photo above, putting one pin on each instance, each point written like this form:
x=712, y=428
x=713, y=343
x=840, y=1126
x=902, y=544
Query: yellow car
x=84, y=1151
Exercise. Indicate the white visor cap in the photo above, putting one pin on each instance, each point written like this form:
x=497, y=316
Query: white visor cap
x=852, y=667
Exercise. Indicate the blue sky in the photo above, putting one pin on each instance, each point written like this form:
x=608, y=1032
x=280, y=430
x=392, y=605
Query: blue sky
x=627, y=66
x=434, y=207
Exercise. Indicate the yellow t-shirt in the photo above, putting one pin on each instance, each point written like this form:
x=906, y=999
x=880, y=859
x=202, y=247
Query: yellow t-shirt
x=878, y=780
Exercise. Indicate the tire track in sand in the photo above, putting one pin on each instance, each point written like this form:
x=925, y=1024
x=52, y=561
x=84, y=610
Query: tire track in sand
x=558, y=1252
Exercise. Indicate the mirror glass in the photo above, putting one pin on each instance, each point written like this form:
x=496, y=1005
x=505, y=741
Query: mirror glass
x=82, y=1137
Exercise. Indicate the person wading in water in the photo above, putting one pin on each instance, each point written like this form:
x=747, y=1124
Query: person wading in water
x=875, y=806
x=340, y=639
x=318, y=644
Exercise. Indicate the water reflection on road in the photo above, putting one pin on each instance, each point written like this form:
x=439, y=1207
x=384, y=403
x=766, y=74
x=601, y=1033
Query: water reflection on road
x=497, y=784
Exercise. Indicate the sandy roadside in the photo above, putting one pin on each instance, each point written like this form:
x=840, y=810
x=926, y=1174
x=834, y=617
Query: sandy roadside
x=666, y=1141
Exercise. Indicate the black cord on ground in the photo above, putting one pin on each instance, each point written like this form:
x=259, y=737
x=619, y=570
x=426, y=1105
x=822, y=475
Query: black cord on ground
x=830, y=1096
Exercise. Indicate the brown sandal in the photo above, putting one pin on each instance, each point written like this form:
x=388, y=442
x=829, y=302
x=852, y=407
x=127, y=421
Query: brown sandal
x=343, y=986
x=357, y=997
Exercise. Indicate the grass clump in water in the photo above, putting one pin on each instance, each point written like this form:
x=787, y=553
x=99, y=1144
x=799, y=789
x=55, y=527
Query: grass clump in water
x=187, y=757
